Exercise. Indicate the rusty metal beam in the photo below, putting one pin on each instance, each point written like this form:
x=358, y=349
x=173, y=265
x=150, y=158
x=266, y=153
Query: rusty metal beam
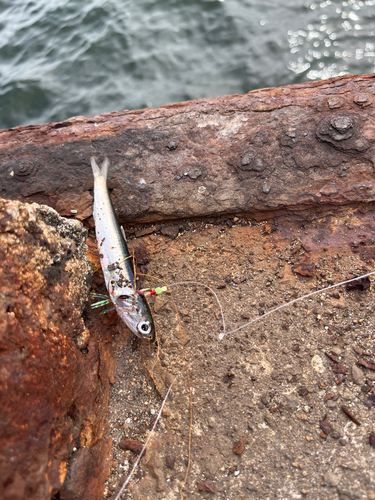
x=299, y=147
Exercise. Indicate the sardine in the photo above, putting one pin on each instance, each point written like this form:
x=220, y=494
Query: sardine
x=115, y=260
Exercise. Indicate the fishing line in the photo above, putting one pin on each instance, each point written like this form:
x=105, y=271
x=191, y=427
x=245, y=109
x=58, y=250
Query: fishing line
x=221, y=336
x=136, y=463
x=186, y=370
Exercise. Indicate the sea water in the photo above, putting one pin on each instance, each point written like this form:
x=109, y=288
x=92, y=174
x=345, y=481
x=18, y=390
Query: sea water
x=65, y=58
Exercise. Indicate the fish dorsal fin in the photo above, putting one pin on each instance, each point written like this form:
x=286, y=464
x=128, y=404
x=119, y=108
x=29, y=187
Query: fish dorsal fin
x=123, y=233
x=126, y=246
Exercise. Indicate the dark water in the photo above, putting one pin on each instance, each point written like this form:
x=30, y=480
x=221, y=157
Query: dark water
x=61, y=58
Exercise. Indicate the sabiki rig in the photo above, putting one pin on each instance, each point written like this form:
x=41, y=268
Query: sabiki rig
x=115, y=260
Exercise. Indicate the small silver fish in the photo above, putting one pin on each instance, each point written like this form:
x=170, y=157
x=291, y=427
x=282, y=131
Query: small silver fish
x=114, y=258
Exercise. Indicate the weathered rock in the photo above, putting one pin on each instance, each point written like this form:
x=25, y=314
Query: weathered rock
x=210, y=462
x=359, y=284
x=305, y=268
x=154, y=464
x=170, y=231
x=287, y=148
x=52, y=407
x=142, y=255
x=132, y=445
x=339, y=303
x=357, y=375
x=160, y=302
x=88, y=471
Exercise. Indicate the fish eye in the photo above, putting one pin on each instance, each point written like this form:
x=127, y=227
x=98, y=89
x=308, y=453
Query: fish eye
x=144, y=327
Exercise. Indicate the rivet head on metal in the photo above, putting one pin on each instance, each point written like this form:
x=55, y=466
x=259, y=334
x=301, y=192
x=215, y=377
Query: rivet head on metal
x=363, y=100
x=339, y=127
x=342, y=123
x=335, y=102
x=266, y=188
x=253, y=161
x=22, y=168
x=172, y=145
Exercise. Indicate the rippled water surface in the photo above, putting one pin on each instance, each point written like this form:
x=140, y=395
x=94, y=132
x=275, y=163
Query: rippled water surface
x=63, y=58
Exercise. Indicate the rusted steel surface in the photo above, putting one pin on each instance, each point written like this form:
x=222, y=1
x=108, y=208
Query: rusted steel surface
x=289, y=148
x=54, y=375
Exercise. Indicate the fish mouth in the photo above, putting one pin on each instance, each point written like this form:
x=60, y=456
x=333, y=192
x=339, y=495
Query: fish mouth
x=131, y=313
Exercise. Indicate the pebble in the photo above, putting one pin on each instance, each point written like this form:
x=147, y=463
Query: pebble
x=340, y=303
x=331, y=404
x=347, y=395
x=239, y=447
x=132, y=445
x=347, y=463
x=211, y=422
x=372, y=438
x=317, y=363
x=339, y=368
x=326, y=427
x=336, y=350
x=302, y=391
x=169, y=462
x=144, y=232
x=331, y=479
x=207, y=486
x=357, y=375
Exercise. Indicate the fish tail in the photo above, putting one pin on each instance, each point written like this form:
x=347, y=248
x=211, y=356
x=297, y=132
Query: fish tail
x=100, y=172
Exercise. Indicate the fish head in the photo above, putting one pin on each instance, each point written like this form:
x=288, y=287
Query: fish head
x=135, y=313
